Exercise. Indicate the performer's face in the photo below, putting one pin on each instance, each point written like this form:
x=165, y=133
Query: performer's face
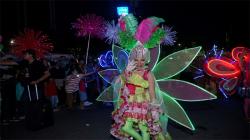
x=140, y=62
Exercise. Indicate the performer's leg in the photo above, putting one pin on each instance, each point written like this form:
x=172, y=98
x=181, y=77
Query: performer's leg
x=144, y=131
x=160, y=136
x=128, y=128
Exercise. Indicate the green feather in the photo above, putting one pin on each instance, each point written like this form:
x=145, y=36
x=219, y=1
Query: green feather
x=131, y=23
x=155, y=39
x=126, y=40
x=156, y=21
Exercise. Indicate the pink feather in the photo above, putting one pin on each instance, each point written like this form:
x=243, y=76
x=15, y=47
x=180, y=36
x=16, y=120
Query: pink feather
x=144, y=31
x=122, y=25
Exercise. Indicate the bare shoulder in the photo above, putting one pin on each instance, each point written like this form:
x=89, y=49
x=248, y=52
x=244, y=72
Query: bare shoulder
x=150, y=75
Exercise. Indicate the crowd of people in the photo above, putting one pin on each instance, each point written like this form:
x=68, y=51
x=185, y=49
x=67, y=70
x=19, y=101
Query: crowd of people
x=31, y=85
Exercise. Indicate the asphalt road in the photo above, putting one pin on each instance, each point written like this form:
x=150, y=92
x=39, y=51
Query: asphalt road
x=214, y=120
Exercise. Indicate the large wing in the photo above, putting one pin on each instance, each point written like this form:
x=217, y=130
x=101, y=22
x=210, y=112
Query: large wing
x=175, y=63
x=120, y=57
x=106, y=95
x=154, y=57
x=109, y=74
x=175, y=112
x=185, y=91
x=112, y=93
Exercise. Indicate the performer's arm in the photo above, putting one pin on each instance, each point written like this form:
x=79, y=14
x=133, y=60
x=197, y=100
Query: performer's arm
x=151, y=82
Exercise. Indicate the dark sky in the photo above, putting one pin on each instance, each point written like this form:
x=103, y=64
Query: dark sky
x=205, y=22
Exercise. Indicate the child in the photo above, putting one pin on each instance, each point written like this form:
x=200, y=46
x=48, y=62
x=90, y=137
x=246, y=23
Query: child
x=51, y=93
x=72, y=85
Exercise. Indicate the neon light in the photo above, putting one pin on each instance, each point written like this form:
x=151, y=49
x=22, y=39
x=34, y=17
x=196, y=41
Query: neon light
x=221, y=52
x=101, y=73
x=223, y=93
x=158, y=57
x=198, y=77
x=235, y=52
x=180, y=70
x=198, y=87
x=122, y=10
x=215, y=49
x=106, y=59
x=167, y=97
x=234, y=72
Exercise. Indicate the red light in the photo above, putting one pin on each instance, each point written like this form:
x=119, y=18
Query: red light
x=222, y=68
x=236, y=52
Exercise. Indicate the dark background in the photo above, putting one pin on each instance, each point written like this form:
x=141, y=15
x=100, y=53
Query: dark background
x=225, y=23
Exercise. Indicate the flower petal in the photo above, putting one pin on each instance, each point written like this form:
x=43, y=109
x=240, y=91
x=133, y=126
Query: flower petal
x=107, y=95
x=120, y=57
x=185, y=91
x=175, y=63
x=109, y=74
x=175, y=112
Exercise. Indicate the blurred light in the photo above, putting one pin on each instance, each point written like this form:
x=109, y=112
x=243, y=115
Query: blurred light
x=179, y=44
x=122, y=10
x=12, y=41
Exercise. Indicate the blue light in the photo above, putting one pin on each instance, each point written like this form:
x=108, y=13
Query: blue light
x=122, y=10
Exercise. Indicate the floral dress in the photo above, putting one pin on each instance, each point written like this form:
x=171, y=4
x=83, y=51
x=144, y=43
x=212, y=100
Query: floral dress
x=134, y=105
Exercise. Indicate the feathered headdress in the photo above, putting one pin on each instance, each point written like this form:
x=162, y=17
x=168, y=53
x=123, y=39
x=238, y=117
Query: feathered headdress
x=147, y=32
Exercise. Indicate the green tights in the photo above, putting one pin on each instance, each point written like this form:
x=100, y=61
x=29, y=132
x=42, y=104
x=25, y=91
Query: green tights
x=128, y=129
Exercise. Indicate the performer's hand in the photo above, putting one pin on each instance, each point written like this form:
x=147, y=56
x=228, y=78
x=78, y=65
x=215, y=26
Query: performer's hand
x=131, y=66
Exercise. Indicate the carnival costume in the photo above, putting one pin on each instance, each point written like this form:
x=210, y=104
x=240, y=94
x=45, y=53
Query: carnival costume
x=135, y=113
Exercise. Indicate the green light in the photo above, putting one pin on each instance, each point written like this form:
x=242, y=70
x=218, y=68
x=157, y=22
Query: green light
x=175, y=63
x=105, y=73
x=107, y=95
x=115, y=50
x=175, y=112
x=210, y=96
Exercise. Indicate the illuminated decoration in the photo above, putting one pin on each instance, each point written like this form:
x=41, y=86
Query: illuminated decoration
x=120, y=57
x=106, y=60
x=89, y=25
x=165, y=69
x=169, y=89
x=214, y=52
x=111, y=32
x=31, y=39
x=221, y=68
x=227, y=69
x=236, y=52
x=170, y=37
x=122, y=10
x=150, y=35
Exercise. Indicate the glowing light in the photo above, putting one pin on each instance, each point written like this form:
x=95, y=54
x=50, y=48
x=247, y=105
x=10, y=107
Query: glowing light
x=175, y=63
x=236, y=51
x=175, y=112
x=198, y=77
x=106, y=59
x=221, y=68
x=222, y=91
x=12, y=41
x=185, y=91
x=122, y=11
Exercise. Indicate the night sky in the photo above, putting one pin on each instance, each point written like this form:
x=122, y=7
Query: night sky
x=203, y=22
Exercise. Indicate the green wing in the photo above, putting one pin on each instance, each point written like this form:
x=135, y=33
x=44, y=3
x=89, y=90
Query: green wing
x=175, y=63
